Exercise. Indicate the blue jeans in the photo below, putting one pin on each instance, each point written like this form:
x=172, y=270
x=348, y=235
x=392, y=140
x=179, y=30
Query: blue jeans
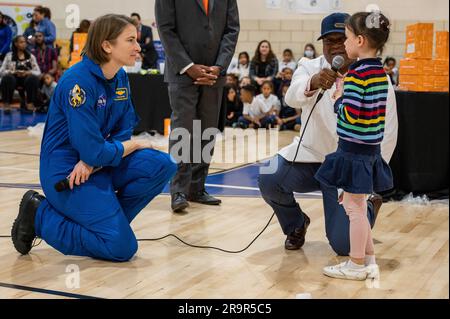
x=278, y=191
x=94, y=219
x=266, y=122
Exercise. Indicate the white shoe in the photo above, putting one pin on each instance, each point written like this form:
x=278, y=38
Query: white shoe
x=373, y=271
x=345, y=271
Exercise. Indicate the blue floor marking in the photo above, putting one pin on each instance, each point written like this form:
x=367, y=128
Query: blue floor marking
x=238, y=182
x=18, y=120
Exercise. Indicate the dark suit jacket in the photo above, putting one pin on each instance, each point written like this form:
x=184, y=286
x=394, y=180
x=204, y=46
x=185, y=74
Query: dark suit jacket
x=190, y=36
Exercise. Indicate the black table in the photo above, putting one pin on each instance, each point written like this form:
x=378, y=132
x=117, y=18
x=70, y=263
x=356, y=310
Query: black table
x=151, y=100
x=420, y=163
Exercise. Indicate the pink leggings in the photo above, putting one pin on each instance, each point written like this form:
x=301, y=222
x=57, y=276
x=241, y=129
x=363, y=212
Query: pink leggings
x=361, y=242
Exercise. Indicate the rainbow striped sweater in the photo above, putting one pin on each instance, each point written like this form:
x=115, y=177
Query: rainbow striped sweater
x=361, y=111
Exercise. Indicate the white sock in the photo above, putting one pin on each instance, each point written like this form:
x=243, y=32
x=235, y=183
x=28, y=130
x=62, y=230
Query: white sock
x=352, y=265
x=370, y=260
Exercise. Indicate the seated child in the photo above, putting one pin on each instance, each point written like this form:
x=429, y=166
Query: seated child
x=271, y=101
x=47, y=90
x=254, y=114
x=289, y=118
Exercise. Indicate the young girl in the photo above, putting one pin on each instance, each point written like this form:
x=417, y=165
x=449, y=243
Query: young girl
x=269, y=99
x=242, y=66
x=288, y=61
x=234, y=106
x=357, y=166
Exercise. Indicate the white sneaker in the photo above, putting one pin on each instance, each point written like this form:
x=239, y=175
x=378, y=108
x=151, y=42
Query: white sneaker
x=345, y=271
x=373, y=271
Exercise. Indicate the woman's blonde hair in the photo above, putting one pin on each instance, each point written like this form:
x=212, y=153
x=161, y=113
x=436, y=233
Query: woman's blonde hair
x=106, y=28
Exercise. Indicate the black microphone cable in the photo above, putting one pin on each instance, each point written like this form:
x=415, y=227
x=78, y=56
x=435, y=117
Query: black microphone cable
x=260, y=233
x=271, y=218
x=265, y=227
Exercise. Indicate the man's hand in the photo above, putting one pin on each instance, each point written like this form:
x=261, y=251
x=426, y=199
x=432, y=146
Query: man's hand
x=209, y=76
x=80, y=174
x=215, y=70
x=324, y=80
x=198, y=71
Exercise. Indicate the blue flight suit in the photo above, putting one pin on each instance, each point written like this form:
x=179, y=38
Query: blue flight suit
x=88, y=118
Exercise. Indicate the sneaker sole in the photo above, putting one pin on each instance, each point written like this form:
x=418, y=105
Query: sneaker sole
x=343, y=276
x=28, y=195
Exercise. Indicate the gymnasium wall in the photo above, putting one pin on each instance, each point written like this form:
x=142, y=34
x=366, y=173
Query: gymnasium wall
x=283, y=29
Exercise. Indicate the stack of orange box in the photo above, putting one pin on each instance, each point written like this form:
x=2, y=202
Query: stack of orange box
x=418, y=71
x=79, y=41
x=442, y=45
x=419, y=41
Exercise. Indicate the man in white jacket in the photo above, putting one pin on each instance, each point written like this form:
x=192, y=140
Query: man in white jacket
x=319, y=139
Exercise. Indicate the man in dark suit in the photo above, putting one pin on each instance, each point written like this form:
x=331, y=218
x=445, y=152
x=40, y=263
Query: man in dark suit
x=199, y=38
x=145, y=39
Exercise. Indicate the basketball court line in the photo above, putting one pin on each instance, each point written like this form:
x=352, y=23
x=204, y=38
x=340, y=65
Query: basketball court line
x=47, y=291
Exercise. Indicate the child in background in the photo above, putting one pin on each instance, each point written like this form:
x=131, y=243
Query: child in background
x=254, y=114
x=232, y=79
x=271, y=101
x=245, y=81
x=288, y=61
x=233, y=105
x=285, y=80
x=47, y=90
x=357, y=166
x=289, y=118
x=241, y=67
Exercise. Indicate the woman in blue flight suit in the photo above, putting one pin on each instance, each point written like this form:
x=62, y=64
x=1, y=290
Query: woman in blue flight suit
x=89, y=125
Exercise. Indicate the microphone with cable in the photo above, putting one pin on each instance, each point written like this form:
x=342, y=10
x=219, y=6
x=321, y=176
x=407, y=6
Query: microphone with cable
x=64, y=184
x=336, y=65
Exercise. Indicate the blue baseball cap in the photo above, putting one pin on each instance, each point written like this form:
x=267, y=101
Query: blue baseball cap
x=334, y=23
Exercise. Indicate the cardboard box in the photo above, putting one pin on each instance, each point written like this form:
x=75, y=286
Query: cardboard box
x=419, y=41
x=79, y=41
x=424, y=67
x=441, y=67
x=411, y=66
x=442, y=44
x=427, y=84
x=441, y=84
x=410, y=82
x=422, y=83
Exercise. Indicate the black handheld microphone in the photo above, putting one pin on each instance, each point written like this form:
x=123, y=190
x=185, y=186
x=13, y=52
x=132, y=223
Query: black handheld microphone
x=338, y=63
x=64, y=185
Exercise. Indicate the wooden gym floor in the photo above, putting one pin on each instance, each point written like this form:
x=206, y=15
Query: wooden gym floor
x=412, y=245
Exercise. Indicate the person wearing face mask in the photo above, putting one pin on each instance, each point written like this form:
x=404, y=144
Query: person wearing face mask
x=310, y=51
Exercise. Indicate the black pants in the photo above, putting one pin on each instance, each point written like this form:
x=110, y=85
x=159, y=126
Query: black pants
x=11, y=83
x=190, y=102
